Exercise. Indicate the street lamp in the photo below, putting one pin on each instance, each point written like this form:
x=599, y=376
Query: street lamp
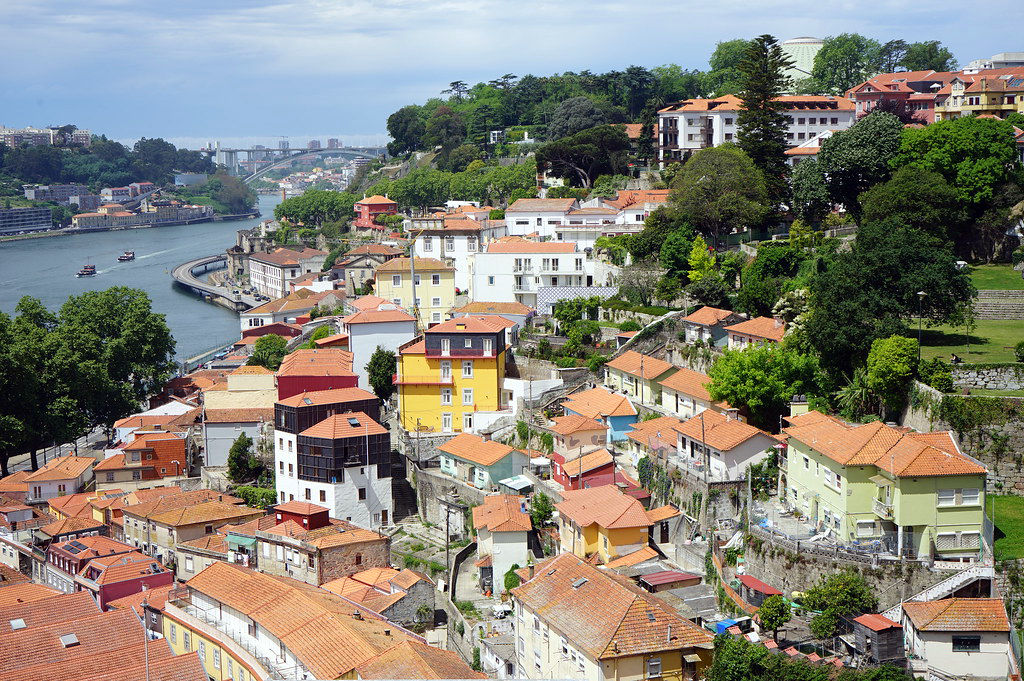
x=920, y=301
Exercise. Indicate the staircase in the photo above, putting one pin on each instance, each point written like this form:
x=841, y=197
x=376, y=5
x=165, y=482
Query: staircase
x=946, y=587
x=403, y=499
x=999, y=305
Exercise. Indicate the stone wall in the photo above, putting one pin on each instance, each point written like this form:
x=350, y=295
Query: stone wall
x=405, y=611
x=432, y=486
x=989, y=376
x=340, y=561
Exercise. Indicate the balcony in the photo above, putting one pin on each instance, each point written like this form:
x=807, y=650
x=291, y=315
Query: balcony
x=882, y=509
x=522, y=288
x=406, y=379
x=523, y=270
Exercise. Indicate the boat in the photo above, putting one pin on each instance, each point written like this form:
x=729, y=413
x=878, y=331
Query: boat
x=127, y=256
x=87, y=271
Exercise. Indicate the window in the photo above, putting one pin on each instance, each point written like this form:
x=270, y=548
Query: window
x=490, y=281
x=654, y=666
x=428, y=243
x=216, y=658
x=446, y=346
x=309, y=494
x=435, y=302
x=728, y=121
x=807, y=464
x=835, y=121
x=471, y=244
x=231, y=671
x=467, y=421
x=970, y=496
x=396, y=279
x=202, y=650
x=291, y=470
x=435, y=279
x=416, y=279
x=323, y=495
x=282, y=497
x=467, y=368
x=136, y=475
x=396, y=301
x=359, y=559
x=189, y=566
x=208, y=529
x=488, y=346
x=467, y=396
x=446, y=395
x=446, y=422
x=966, y=644
x=449, y=244
x=728, y=137
x=435, y=317
x=187, y=640
x=362, y=494
x=800, y=121
x=174, y=634
x=468, y=343
x=446, y=369
x=280, y=466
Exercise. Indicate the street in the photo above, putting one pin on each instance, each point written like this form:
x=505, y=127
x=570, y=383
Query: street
x=87, y=445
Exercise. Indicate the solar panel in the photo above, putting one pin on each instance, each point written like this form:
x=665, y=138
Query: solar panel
x=17, y=624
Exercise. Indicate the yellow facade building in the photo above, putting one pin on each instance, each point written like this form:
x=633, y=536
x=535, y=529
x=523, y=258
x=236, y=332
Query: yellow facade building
x=433, y=283
x=452, y=375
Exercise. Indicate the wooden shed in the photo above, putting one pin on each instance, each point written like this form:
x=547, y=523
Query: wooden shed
x=754, y=591
x=878, y=639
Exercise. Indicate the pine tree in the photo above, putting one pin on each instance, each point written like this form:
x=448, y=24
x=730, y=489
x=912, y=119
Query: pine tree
x=761, y=121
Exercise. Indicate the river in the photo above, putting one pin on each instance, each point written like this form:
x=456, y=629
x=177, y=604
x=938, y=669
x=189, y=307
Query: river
x=46, y=267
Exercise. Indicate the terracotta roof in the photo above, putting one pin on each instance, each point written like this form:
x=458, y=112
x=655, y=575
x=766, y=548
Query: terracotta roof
x=626, y=334
x=656, y=433
x=315, y=625
x=690, y=382
x=328, y=340
x=574, y=423
x=374, y=249
x=15, y=482
x=415, y=660
x=605, y=617
x=337, y=533
x=588, y=462
x=205, y=512
x=540, y=205
x=151, y=506
x=734, y=103
x=10, y=577
x=719, y=431
x=351, y=424
x=635, y=558
x=531, y=247
x=899, y=453
x=215, y=543
x=757, y=585
x=481, y=307
x=368, y=302
x=637, y=197
x=42, y=646
x=760, y=327
x=418, y=348
x=877, y=622
x=336, y=396
x=91, y=547
x=475, y=449
x=656, y=515
x=376, y=199
x=69, y=526
x=63, y=468
x=422, y=265
x=667, y=577
x=637, y=364
x=52, y=610
x=502, y=513
x=123, y=567
x=708, y=316
x=958, y=614
x=164, y=666
x=27, y=592
x=599, y=402
x=247, y=415
x=378, y=317
x=317, y=362
x=300, y=508
x=286, y=256
x=297, y=301
x=76, y=504
x=469, y=325
x=604, y=506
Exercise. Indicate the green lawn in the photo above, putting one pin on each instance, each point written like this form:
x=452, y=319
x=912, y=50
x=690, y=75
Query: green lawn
x=997, y=393
x=1009, y=520
x=992, y=341
x=1000, y=277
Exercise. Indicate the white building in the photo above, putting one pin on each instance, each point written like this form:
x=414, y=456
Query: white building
x=502, y=527
x=542, y=217
x=454, y=240
x=966, y=638
x=271, y=272
x=387, y=327
x=731, y=444
x=515, y=270
x=59, y=477
x=693, y=124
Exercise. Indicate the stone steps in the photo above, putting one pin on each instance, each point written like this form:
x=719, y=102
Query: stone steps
x=999, y=305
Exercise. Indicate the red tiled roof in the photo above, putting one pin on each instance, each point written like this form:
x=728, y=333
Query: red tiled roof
x=757, y=585
x=378, y=317
x=958, y=614
x=588, y=462
x=604, y=506
x=719, y=431
x=876, y=622
x=635, y=558
x=471, y=324
x=246, y=415
x=760, y=327
x=317, y=362
x=475, y=449
x=335, y=396
x=708, y=316
x=63, y=468
x=376, y=200
x=339, y=426
x=637, y=364
x=540, y=205
x=574, y=423
x=632, y=197
x=599, y=402
x=501, y=513
x=25, y=592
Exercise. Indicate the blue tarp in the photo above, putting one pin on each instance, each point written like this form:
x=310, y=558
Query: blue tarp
x=723, y=626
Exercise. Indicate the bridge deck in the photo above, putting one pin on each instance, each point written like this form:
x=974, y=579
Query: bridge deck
x=183, y=275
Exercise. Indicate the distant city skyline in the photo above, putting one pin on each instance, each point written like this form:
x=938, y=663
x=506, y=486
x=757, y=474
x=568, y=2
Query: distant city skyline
x=211, y=69
x=269, y=141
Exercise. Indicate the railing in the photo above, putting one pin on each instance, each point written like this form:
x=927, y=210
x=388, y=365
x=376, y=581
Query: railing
x=945, y=587
x=882, y=509
x=521, y=287
x=405, y=379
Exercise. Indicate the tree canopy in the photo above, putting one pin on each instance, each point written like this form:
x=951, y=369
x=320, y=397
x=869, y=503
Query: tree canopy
x=380, y=371
x=315, y=207
x=582, y=157
x=268, y=351
x=844, y=61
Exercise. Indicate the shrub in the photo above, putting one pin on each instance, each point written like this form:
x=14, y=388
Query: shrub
x=1018, y=350
x=630, y=325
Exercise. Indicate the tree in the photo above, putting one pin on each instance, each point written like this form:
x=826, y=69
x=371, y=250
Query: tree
x=719, y=190
x=242, y=463
x=762, y=122
x=457, y=89
x=638, y=284
x=725, y=78
x=268, y=351
x=445, y=128
x=892, y=364
x=855, y=399
x=891, y=56
x=675, y=251
x=574, y=115
x=762, y=380
x=838, y=595
x=582, y=157
x=316, y=207
x=541, y=510
x=701, y=262
x=918, y=198
x=855, y=159
x=811, y=200
x=975, y=155
x=710, y=291
x=844, y=61
x=773, y=613
x=512, y=579
x=900, y=108
x=929, y=55
x=381, y=369
x=406, y=128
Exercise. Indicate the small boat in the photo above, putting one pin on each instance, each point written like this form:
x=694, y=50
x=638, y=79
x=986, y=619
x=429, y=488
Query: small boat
x=87, y=271
x=127, y=256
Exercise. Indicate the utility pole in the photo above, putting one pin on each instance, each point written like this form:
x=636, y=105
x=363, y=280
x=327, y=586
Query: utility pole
x=707, y=489
x=145, y=636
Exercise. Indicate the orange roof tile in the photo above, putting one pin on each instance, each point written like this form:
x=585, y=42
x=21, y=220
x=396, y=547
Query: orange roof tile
x=604, y=506
x=708, y=316
x=656, y=515
x=637, y=364
x=287, y=256
x=149, y=505
x=876, y=622
x=374, y=249
x=719, y=431
x=368, y=302
x=637, y=197
x=15, y=482
x=69, y=526
x=531, y=247
x=575, y=423
x=475, y=449
x=502, y=513
x=415, y=660
x=62, y=468
x=215, y=543
x=300, y=508
x=351, y=424
x=205, y=512
x=52, y=610
x=655, y=433
x=317, y=362
x=599, y=402
x=470, y=325
x=335, y=396
x=376, y=199
x=958, y=614
x=481, y=307
x=587, y=462
x=760, y=327
x=122, y=568
x=378, y=317
x=421, y=264
x=635, y=558
x=689, y=382
x=540, y=205
x=27, y=592
x=246, y=415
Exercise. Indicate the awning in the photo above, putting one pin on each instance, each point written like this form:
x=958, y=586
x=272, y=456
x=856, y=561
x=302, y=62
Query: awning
x=692, y=658
x=881, y=480
x=540, y=461
x=241, y=541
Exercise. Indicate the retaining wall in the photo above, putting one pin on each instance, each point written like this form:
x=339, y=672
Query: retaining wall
x=990, y=376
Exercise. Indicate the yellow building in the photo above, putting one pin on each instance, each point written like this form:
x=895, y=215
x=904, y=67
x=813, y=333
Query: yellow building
x=991, y=96
x=433, y=282
x=575, y=621
x=604, y=521
x=452, y=374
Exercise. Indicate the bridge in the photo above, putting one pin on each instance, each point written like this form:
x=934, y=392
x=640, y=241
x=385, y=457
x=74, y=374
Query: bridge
x=351, y=152
x=185, y=276
x=275, y=158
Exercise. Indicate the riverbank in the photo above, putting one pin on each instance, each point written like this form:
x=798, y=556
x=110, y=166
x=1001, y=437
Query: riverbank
x=70, y=231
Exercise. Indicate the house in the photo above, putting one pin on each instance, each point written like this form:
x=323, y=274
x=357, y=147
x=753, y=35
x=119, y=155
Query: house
x=429, y=293
x=634, y=205
x=308, y=370
x=147, y=605
x=512, y=311
x=357, y=267
x=151, y=459
x=270, y=272
x=246, y=387
x=416, y=660
x=195, y=555
x=579, y=472
x=879, y=640
x=453, y=239
x=108, y=578
x=692, y=124
x=731, y=445
x=574, y=621
x=707, y=325
x=756, y=331
x=959, y=637
x=502, y=526
x=685, y=394
x=274, y=627
x=66, y=559
x=583, y=226
x=624, y=337
x=538, y=216
x=480, y=463
x=451, y=379
x=600, y=404
x=369, y=208
x=14, y=486
x=575, y=435
x=903, y=492
x=63, y=475
x=400, y=596
x=654, y=438
x=601, y=521
x=754, y=591
x=109, y=509
x=637, y=375
x=498, y=656
x=224, y=426
x=983, y=95
x=388, y=328
x=288, y=307
x=342, y=462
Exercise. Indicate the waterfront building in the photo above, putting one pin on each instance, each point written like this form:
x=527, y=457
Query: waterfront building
x=270, y=272
x=60, y=193
x=429, y=294
x=288, y=308
x=13, y=220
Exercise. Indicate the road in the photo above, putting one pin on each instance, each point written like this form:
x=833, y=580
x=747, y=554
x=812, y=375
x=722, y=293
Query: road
x=183, y=274
x=91, y=444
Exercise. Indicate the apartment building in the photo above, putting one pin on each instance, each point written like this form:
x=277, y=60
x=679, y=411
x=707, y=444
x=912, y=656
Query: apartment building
x=270, y=272
x=542, y=217
x=429, y=293
x=454, y=239
x=14, y=220
x=387, y=327
x=60, y=193
x=533, y=273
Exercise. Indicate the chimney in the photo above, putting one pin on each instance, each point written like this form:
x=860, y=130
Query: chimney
x=357, y=615
x=387, y=632
x=732, y=414
x=530, y=567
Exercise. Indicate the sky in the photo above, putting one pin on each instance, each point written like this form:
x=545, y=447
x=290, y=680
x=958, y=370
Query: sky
x=254, y=71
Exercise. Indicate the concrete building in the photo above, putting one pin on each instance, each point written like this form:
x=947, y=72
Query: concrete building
x=1003, y=60
x=731, y=445
x=502, y=527
x=61, y=193
x=756, y=331
x=429, y=294
x=685, y=394
x=14, y=220
x=959, y=638
x=454, y=239
x=526, y=272
x=308, y=370
x=707, y=325
x=383, y=328
x=801, y=51
x=270, y=272
x=542, y=217
x=65, y=559
x=480, y=463
x=358, y=266
x=224, y=426
x=58, y=477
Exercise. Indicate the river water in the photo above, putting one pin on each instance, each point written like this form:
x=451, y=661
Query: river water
x=46, y=267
